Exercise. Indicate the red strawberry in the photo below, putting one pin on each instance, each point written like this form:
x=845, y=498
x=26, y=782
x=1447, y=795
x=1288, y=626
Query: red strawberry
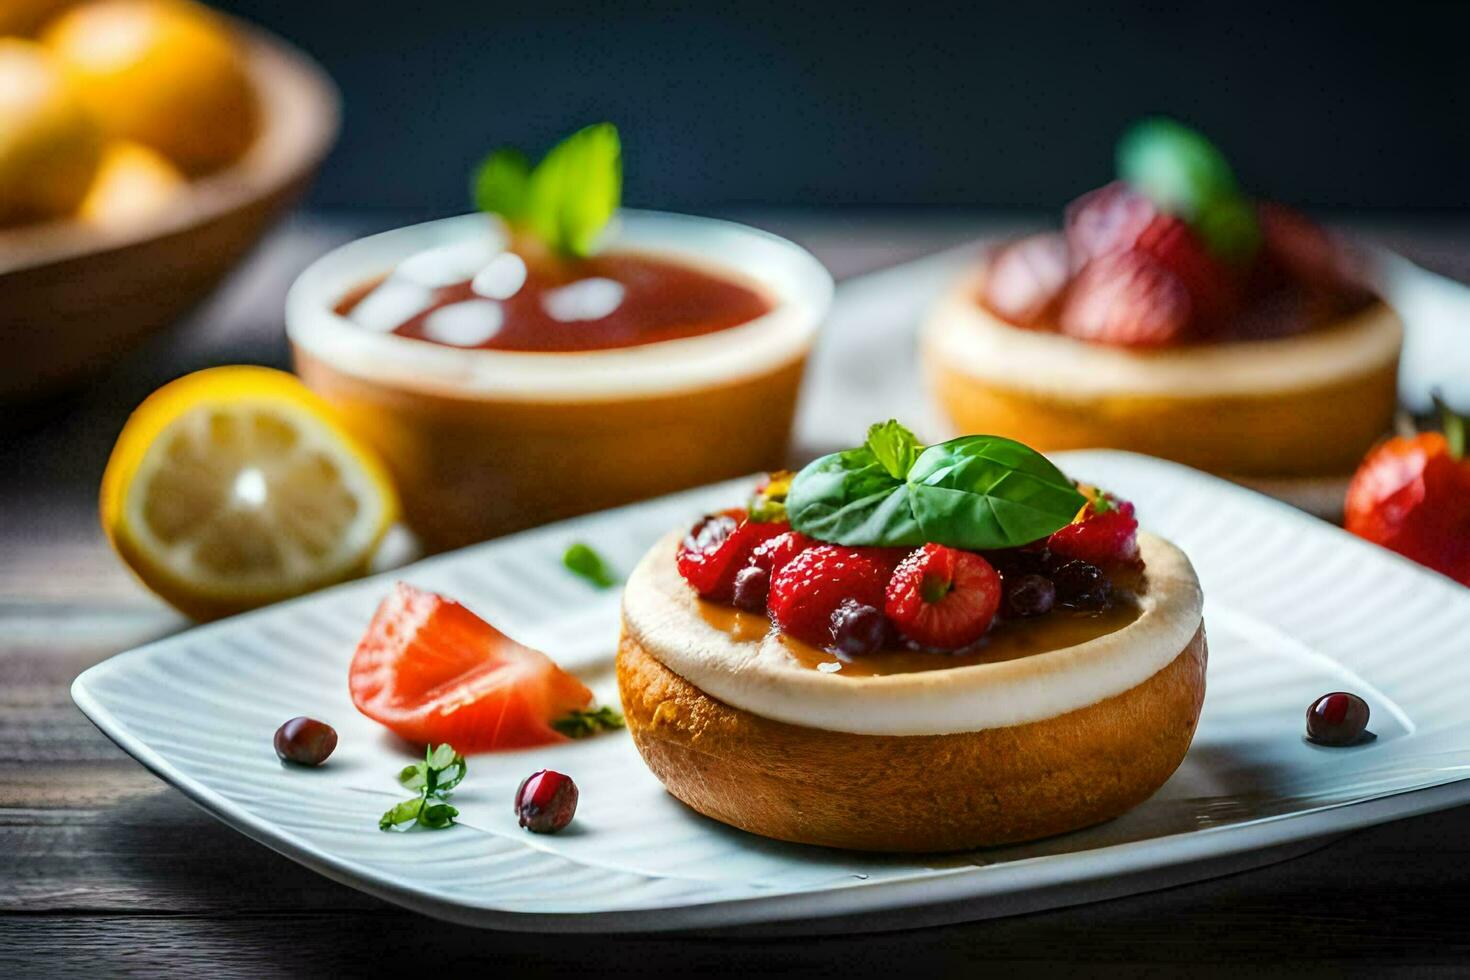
x=810, y=587
x=774, y=553
x=1025, y=280
x=1412, y=495
x=434, y=672
x=1129, y=299
x=1107, y=538
x=942, y=597
x=718, y=547
x=1299, y=247
x=1175, y=245
x=1109, y=219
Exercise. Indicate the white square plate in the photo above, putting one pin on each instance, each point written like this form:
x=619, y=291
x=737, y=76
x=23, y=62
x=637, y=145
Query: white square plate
x=1295, y=608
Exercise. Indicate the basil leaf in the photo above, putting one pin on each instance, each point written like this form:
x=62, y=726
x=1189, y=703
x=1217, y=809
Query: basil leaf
x=580, y=559
x=975, y=492
x=1184, y=174
x=402, y=813
x=1176, y=167
x=574, y=192
x=893, y=446
x=501, y=184
x=850, y=498
x=980, y=492
x=1229, y=228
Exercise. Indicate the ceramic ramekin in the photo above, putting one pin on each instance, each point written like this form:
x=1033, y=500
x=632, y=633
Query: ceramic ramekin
x=484, y=442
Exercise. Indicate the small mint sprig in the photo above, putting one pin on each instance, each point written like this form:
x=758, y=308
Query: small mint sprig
x=580, y=724
x=441, y=770
x=567, y=199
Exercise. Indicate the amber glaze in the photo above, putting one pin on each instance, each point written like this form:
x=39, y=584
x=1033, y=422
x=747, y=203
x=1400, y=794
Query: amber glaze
x=1006, y=640
x=662, y=300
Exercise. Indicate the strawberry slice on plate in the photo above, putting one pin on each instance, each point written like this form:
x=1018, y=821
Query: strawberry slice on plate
x=431, y=671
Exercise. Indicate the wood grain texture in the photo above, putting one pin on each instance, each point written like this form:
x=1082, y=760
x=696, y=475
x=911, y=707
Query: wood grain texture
x=104, y=871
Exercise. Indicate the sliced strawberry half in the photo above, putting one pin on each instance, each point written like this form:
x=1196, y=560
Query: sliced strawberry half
x=434, y=673
x=1129, y=299
x=1105, y=534
x=1025, y=280
x=1107, y=220
x=942, y=597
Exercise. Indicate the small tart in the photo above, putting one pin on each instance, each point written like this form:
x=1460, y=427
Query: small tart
x=1303, y=406
x=937, y=760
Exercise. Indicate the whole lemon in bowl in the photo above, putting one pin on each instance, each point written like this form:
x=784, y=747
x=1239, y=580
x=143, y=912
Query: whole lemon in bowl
x=168, y=74
x=49, y=144
x=26, y=16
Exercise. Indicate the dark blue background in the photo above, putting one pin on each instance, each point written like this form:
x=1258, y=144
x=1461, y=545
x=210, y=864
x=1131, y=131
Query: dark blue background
x=1014, y=105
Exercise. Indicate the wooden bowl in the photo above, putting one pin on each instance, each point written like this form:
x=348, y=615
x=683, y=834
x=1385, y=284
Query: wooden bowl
x=74, y=298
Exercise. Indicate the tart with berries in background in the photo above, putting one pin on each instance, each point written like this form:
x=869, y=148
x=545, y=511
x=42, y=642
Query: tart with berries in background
x=1176, y=317
x=914, y=649
x=555, y=354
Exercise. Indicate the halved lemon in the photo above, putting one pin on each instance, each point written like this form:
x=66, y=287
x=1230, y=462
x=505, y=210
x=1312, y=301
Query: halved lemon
x=235, y=487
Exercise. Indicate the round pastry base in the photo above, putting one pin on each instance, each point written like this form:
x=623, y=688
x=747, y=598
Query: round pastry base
x=912, y=793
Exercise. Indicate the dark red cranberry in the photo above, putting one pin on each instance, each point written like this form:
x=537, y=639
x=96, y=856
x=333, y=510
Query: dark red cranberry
x=546, y=801
x=1029, y=595
x=1339, y=718
x=752, y=587
x=305, y=741
x=1082, y=585
x=858, y=628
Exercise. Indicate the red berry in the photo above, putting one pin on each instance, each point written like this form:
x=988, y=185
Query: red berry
x=1109, y=538
x=773, y=553
x=942, y=597
x=1175, y=245
x=1107, y=220
x=810, y=587
x=546, y=801
x=1300, y=248
x=1337, y=719
x=305, y=741
x=717, y=548
x=1412, y=495
x=1025, y=279
x=1129, y=299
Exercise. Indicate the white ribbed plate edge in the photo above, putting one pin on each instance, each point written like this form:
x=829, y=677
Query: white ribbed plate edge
x=1295, y=608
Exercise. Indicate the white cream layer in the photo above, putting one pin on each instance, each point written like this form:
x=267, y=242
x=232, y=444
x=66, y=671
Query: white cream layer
x=964, y=336
x=662, y=613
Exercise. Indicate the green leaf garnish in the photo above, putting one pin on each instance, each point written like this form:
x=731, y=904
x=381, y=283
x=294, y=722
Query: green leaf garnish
x=1184, y=174
x=441, y=770
x=580, y=724
x=501, y=183
x=568, y=198
x=581, y=560
x=894, y=447
x=974, y=492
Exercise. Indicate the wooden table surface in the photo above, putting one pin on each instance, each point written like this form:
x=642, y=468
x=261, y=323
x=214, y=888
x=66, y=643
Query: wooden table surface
x=105, y=870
